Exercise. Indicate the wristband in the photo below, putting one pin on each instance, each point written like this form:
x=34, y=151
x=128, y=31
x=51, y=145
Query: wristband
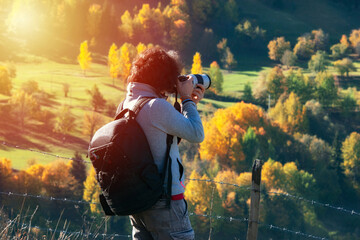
x=185, y=101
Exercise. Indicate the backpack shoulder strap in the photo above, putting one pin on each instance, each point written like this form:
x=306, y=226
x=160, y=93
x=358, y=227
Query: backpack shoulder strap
x=140, y=103
x=136, y=108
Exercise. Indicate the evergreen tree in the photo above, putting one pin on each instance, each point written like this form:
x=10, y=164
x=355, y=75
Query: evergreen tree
x=97, y=100
x=78, y=168
x=247, y=94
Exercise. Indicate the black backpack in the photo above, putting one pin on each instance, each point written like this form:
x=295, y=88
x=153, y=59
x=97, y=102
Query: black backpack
x=125, y=168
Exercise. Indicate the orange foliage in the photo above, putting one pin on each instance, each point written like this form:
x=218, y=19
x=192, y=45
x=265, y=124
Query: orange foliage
x=225, y=130
x=344, y=41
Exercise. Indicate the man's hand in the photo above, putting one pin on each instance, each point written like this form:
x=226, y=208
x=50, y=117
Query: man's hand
x=198, y=93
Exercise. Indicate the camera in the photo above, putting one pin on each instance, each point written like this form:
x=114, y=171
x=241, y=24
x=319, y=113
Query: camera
x=202, y=79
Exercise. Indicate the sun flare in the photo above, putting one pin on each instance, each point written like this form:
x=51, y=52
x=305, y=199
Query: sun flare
x=23, y=19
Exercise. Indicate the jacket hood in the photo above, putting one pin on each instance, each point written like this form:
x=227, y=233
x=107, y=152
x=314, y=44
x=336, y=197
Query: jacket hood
x=136, y=90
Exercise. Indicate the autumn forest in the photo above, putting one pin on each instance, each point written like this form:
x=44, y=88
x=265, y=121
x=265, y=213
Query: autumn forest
x=285, y=90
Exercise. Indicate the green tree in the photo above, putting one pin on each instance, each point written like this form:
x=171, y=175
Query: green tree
x=277, y=48
x=318, y=62
x=97, y=100
x=300, y=84
x=78, y=167
x=345, y=66
x=249, y=30
x=275, y=83
x=338, y=50
x=202, y=10
x=247, y=94
x=348, y=104
x=250, y=145
x=216, y=76
x=24, y=106
x=326, y=90
x=64, y=122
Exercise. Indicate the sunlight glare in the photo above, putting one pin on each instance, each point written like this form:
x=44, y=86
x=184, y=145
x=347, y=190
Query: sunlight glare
x=23, y=20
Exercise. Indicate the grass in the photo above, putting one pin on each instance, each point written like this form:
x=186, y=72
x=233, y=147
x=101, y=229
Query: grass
x=51, y=76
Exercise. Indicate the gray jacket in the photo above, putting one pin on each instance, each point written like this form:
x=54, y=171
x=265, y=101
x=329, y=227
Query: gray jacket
x=159, y=118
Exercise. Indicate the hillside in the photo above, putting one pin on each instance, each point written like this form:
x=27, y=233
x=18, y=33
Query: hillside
x=299, y=115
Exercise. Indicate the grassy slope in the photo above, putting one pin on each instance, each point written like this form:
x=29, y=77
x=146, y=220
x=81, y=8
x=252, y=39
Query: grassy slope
x=305, y=16
x=51, y=76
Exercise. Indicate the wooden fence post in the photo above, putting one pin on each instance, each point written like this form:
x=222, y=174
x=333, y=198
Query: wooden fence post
x=255, y=201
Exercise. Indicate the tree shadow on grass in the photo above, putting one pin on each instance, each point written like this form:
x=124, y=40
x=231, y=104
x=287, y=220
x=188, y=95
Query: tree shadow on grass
x=37, y=137
x=352, y=81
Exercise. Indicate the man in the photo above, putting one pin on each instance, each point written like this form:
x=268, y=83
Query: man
x=154, y=73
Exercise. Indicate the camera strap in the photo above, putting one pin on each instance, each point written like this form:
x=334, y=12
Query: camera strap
x=178, y=108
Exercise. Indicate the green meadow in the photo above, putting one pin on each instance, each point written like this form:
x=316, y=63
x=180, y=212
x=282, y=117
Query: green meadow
x=50, y=77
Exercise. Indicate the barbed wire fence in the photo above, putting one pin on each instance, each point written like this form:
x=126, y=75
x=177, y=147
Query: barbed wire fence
x=210, y=216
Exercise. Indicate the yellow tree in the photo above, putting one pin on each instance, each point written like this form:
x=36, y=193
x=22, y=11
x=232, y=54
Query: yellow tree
x=151, y=23
x=126, y=27
x=84, y=58
x=114, y=62
x=355, y=40
x=5, y=81
x=224, y=133
x=196, y=66
x=92, y=191
x=277, y=48
x=58, y=181
x=200, y=194
x=140, y=47
x=230, y=195
x=290, y=114
x=179, y=26
x=351, y=155
x=275, y=82
x=345, y=66
x=92, y=121
x=125, y=62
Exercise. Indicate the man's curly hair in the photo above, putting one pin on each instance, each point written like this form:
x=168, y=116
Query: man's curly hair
x=156, y=67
